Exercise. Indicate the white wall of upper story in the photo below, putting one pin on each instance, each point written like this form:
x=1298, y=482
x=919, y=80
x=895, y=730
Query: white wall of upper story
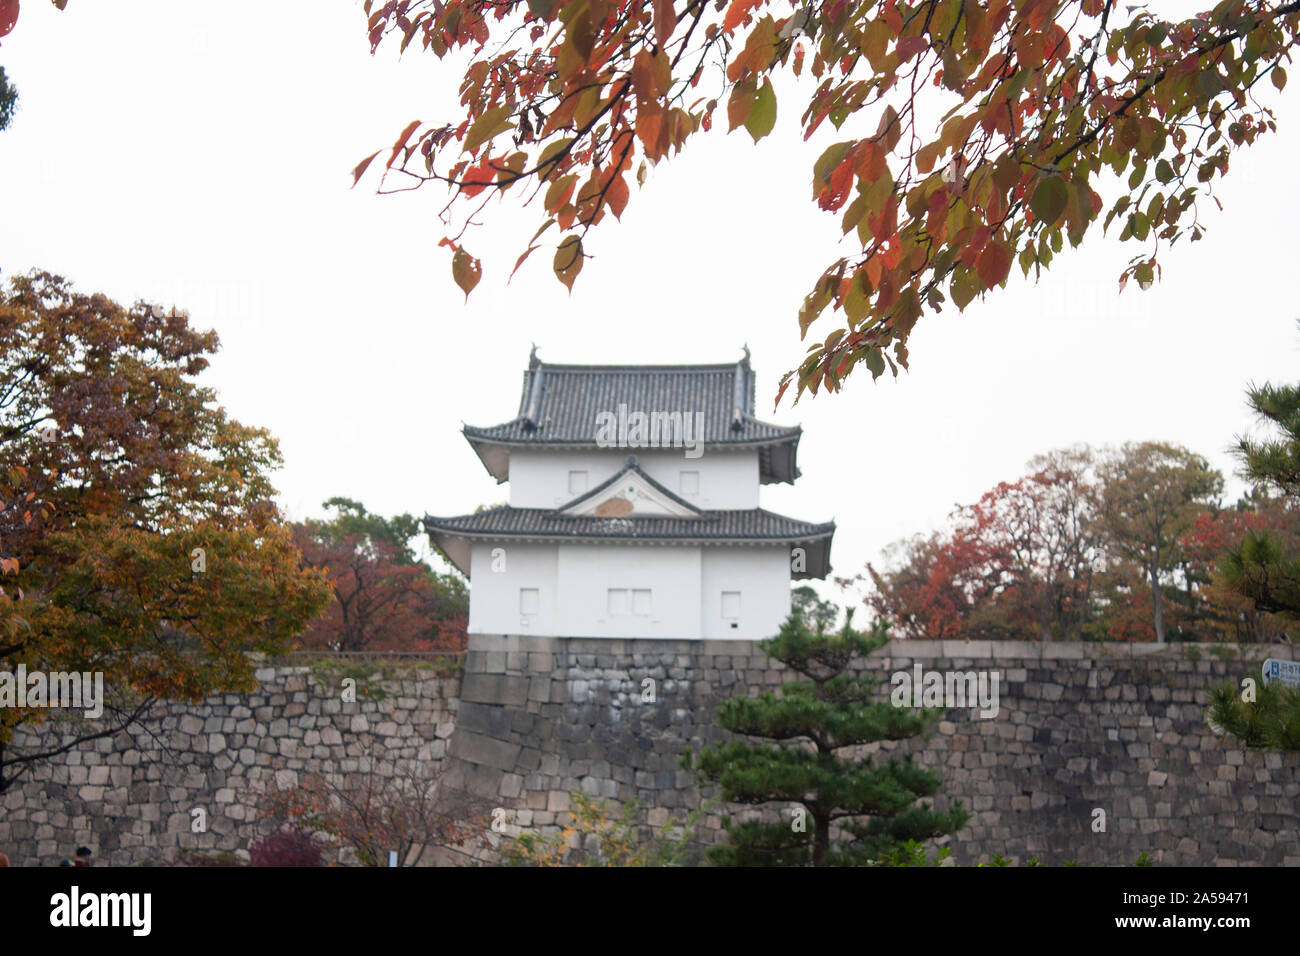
x=723, y=480
x=756, y=582
x=660, y=591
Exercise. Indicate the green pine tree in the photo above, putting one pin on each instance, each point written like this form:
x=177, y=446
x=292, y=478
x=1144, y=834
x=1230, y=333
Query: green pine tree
x=8, y=100
x=873, y=804
x=1261, y=568
x=1268, y=719
x=1264, y=569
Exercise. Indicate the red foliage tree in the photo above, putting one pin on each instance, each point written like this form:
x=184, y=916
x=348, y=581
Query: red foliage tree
x=385, y=599
x=1018, y=563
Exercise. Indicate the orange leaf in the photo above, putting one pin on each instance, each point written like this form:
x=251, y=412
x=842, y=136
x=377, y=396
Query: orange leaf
x=401, y=141
x=360, y=169
x=649, y=126
x=617, y=195
x=665, y=21
x=737, y=12
x=873, y=271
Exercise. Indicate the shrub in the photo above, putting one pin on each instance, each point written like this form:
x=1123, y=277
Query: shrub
x=288, y=846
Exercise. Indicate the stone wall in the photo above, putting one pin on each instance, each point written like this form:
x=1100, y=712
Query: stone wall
x=1081, y=728
x=131, y=797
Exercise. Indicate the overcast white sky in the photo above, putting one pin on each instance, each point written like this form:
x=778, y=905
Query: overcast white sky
x=200, y=155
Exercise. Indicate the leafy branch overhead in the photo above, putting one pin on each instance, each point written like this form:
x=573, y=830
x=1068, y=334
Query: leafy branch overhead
x=978, y=136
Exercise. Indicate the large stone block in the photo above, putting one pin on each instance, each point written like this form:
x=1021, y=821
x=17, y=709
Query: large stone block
x=494, y=689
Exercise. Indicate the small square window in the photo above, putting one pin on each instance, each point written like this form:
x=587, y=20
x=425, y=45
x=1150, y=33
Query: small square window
x=690, y=483
x=529, y=600
x=731, y=605
x=619, y=600
x=577, y=482
x=641, y=603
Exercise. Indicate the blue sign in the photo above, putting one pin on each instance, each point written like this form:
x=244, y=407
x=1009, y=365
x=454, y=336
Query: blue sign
x=1286, y=672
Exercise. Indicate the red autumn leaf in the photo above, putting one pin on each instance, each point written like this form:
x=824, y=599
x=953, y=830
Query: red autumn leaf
x=993, y=263
x=835, y=194
x=909, y=47
x=8, y=15
x=478, y=178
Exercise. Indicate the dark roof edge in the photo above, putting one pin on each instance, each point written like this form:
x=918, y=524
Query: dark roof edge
x=430, y=522
x=473, y=433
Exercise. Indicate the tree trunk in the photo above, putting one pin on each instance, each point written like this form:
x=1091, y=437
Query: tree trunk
x=821, y=838
x=1157, y=603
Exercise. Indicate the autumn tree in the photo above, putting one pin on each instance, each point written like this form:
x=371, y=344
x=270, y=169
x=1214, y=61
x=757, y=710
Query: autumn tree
x=139, y=537
x=854, y=809
x=978, y=137
x=1152, y=493
x=1018, y=563
x=1218, y=609
x=8, y=94
x=384, y=597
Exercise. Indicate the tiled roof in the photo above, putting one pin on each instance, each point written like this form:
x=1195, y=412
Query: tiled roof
x=570, y=397
x=749, y=526
x=561, y=405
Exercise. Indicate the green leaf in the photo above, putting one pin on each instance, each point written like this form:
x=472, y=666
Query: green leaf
x=1050, y=199
x=491, y=123
x=1164, y=172
x=762, y=116
x=963, y=288
x=1209, y=83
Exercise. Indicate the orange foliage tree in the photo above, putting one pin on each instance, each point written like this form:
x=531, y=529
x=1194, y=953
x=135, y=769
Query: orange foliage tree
x=138, y=534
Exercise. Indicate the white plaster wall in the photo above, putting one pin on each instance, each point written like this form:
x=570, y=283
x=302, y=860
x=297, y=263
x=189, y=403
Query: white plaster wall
x=494, y=595
x=587, y=572
x=728, y=479
x=761, y=575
